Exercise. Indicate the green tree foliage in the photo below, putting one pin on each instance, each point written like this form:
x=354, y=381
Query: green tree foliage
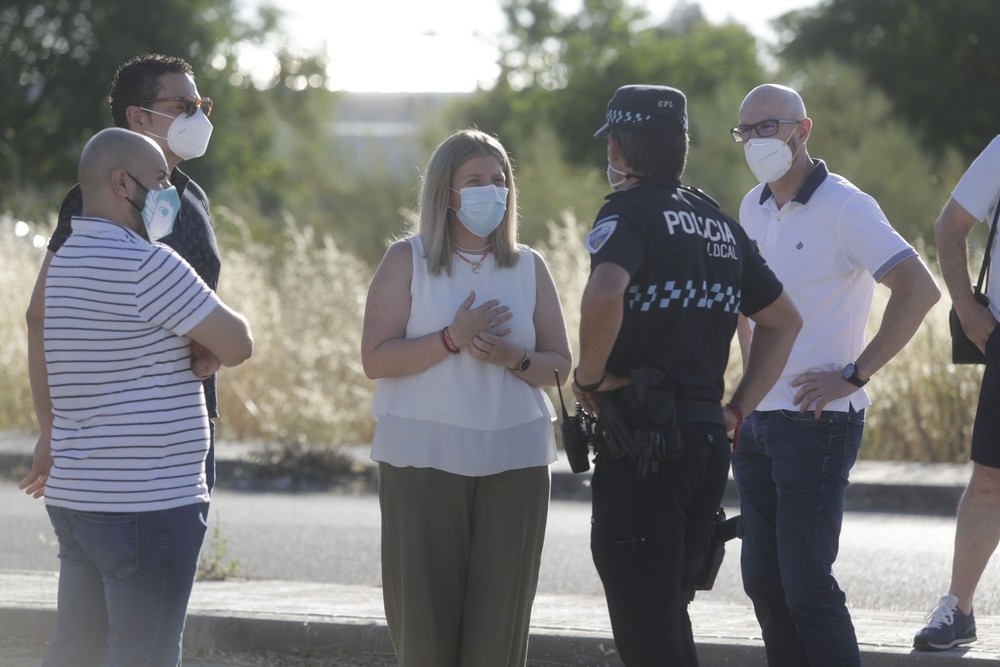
x=59, y=58
x=276, y=160
x=937, y=60
x=561, y=70
x=550, y=188
x=268, y=148
x=855, y=132
x=558, y=73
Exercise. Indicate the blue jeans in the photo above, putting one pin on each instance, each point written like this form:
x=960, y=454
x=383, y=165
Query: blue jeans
x=124, y=584
x=792, y=471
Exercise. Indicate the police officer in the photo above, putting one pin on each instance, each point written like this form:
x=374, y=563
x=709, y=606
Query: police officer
x=669, y=274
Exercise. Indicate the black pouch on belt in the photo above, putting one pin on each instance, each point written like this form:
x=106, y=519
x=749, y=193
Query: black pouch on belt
x=612, y=430
x=640, y=421
x=658, y=425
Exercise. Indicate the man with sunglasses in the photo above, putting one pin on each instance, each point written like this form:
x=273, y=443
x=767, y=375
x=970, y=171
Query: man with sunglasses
x=828, y=243
x=156, y=96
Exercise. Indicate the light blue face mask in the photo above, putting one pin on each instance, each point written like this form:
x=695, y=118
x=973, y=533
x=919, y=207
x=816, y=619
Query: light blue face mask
x=482, y=208
x=159, y=211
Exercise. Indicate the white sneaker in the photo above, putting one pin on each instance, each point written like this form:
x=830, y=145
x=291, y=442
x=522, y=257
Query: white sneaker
x=946, y=627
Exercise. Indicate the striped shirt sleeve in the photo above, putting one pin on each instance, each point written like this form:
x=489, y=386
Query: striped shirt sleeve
x=170, y=294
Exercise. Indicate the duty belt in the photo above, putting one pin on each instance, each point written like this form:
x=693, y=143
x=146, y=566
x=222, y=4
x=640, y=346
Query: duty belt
x=648, y=431
x=689, y=412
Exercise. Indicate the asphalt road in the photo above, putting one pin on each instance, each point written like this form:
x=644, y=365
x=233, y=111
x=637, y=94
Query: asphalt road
x=887, y=561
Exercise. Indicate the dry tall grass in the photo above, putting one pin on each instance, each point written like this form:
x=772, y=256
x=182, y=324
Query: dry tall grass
x=922, y=404
x=304, y=384
x=21, y=252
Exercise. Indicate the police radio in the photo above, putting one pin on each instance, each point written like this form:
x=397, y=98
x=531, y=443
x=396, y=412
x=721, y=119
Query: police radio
x=576, y=434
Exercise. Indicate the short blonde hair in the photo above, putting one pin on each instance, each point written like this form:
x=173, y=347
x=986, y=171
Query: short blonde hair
x=435, y=198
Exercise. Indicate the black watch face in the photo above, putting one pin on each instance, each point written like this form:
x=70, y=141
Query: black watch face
x=525, y=364
x=851, y=375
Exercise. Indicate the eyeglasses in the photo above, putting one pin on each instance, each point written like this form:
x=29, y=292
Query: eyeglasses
x=191, y=104
x=765, y=128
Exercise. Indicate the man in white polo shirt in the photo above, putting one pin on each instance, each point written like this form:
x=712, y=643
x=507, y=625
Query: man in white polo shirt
x=128, y=422
x=977, y=529
x=828, y=243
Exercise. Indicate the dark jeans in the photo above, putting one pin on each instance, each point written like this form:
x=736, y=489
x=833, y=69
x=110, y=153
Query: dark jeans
x=124, y=584
x=644, y=532
x=792, y=472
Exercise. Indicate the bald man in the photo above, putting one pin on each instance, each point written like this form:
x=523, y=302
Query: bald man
x=154, y=95
x=829, y=243
x=127, y=420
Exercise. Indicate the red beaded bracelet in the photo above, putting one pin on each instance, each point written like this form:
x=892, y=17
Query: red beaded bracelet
x=449, y=344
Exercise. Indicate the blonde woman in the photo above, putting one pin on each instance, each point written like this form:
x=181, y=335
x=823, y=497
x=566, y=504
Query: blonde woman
x=462, y=327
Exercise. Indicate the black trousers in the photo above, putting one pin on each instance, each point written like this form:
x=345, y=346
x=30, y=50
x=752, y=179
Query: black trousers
x=646, y=534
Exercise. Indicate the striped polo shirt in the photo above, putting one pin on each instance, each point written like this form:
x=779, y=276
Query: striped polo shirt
x=130, y=429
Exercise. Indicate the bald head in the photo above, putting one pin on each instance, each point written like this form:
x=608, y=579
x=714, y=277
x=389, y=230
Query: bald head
x=774, y=129
x=109, y=162
x=115, y=148
x=774, y=101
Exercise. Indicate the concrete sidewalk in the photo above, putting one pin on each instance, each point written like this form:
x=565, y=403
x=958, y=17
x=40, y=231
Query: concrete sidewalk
x=305, y=617
x=309, y=618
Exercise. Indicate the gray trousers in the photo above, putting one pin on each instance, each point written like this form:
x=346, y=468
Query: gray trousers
x=460, y=561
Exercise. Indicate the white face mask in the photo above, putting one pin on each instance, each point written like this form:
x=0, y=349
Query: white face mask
x=621, y=181
x=482, y=208
x=769, y=159
x=187, y=136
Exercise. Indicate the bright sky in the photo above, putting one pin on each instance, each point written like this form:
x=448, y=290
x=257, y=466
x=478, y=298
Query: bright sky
x=443, y=45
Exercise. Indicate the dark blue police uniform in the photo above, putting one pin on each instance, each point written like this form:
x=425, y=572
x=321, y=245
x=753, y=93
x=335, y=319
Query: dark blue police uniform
x=693, y=270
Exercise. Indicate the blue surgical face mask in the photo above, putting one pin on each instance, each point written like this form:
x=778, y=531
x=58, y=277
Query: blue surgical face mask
x=159, y=211
x=482, y=208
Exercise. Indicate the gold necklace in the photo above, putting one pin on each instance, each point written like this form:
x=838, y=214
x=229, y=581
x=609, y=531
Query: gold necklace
x=472, y=250
x=477, y=264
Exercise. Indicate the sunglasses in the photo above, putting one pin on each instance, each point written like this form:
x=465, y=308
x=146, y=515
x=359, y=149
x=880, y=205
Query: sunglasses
x=191, y=104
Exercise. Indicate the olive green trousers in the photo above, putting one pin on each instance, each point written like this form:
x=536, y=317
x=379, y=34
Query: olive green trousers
x=460, y=561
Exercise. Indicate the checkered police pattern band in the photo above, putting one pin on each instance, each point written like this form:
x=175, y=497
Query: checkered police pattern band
x=672, y=295
x=619, y=117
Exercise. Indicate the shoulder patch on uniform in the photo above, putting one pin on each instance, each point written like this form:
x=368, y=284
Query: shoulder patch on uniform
x=600, y=234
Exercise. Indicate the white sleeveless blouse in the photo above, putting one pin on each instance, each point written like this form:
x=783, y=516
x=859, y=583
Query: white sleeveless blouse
x=462, y=415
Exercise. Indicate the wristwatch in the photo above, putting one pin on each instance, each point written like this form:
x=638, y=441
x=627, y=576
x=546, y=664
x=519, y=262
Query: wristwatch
x=522, y=365
x=850, y=373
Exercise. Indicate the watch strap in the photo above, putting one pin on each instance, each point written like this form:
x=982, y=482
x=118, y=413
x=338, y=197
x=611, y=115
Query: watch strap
x=522, y=365
x=852, y=377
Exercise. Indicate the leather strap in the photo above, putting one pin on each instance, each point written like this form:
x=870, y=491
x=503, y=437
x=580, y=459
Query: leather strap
x=985, y=269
